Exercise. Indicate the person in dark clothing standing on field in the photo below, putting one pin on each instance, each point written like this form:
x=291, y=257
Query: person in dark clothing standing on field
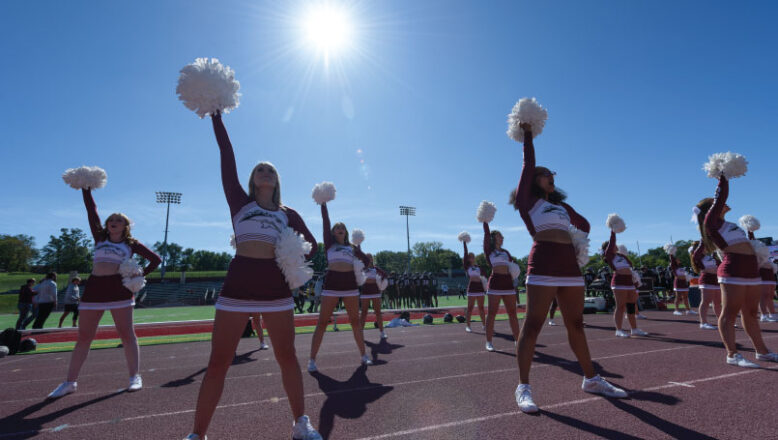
x=25, y=305
x=45, y=298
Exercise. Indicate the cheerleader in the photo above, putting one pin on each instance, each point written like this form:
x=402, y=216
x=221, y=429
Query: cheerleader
x=475, y=288
x=500, y=285
x=623, y=286
x=340, y=281
x=254, y=284
x=553, y=272
x=705, y=263
x=680, y=284
x=256, y=324
x=738, y=275
x=105, y=290
x=767, y=273
x=371, y=293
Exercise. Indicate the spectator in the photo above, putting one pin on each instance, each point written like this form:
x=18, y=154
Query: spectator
x=45, y=298
x=25, y=305
x=444, y=290
x=72, y=298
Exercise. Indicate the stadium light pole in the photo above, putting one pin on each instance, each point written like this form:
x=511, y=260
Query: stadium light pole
x=168, y=198
x=408, y=211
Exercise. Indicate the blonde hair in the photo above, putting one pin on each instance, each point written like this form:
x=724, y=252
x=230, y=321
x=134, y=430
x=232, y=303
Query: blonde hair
x=704, y=206
x=126, y=235
x=276, y=190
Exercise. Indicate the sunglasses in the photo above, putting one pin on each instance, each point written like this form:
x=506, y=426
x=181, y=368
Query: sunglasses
x=546, y=173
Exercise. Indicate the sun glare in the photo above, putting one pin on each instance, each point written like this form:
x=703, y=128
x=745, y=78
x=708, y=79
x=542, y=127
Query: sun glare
x=327, y=28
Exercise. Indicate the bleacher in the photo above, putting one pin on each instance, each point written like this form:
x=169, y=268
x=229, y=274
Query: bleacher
x=177, y=294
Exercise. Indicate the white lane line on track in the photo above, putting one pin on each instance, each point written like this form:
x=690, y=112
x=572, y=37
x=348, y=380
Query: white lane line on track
x=350, y=390
x=556, y=405
x=682, y=384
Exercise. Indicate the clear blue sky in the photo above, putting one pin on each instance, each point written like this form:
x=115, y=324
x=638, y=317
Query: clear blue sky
x=638, y=93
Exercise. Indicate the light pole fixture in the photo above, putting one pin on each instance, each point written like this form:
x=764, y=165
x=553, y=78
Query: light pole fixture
x=168, y=198
x=408, y=211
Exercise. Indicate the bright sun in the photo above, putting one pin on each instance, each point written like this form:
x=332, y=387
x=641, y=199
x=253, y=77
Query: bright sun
x=327, y=28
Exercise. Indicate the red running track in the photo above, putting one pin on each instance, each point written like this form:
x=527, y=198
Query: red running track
x=206, y=326
x=428, y=382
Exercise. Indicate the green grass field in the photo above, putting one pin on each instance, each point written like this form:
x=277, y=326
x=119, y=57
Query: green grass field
x=160, y=314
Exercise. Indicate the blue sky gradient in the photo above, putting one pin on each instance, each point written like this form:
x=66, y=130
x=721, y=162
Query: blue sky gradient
x=638, y=94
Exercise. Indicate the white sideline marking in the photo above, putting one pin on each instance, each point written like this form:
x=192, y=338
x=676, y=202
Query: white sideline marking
x=410, y=382
x=556, y=405
x=682, y=384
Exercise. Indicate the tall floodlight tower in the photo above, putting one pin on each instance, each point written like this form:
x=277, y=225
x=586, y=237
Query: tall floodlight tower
x=168, y=198
x=408, y=211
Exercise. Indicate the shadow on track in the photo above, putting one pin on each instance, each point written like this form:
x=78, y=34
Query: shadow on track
x=572, y=366
x=347, y=399
x=672, y=430
x=19, y=426
x=580, y=425
x=237, y=360
x=383, y=347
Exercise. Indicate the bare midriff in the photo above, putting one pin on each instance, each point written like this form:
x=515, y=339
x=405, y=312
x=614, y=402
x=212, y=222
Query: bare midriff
x=256, y=249
x=340, y=266
x=105, y=269
x=740, y=248
x=624, y=271
x=554, y=236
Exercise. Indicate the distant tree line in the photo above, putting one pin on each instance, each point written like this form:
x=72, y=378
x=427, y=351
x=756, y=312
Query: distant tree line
x=72, y=250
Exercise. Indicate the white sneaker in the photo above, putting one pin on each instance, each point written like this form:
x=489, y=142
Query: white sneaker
x=136, y=383
x=303, y=430
x=312, y=366
x=678, y=313
x=263, y=346
x=769, y=356
x=384, y=335
x=763, y=318
x=640, y=316
x=366, y=360
x=194, y=436
x=772, y=317
x=63, y=389
x=692, y=312
x=598, y=385
x=621, y=334
x=524, y=399
x=489, y=346
x=638, y=332
x=706, y=326
x=740, y=361
x=552, y=323
x=468, y=329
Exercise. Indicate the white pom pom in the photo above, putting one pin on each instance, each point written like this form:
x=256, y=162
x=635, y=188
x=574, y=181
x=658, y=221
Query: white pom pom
x=486, y=212
x=291, y=249
x=636, y=278
x=357, y=237
x=730, y=165
x=526, y=110
x=514, y=270
x=670, y=249
x=383, y=283
x=464, y=237
x=130, y=268
x=580, y=241
x=615, y=223
x=233, y=243
x=623, y=250
x=762, y=253
x=359, y=271
x=484, y=283
x=85, y=177
x=749, y=223
x=134, y=284
x=206, y=87
x=323, y=192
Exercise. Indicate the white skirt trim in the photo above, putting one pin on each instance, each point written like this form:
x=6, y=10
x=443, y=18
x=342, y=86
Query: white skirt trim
x=374, y=296
x=548, y=280
x=107, y=305
x=710, y=287
x=740, y=281
x=622, y=287
x=475, y=295
x=253, y=306
x=680, y=290
x=340, y=293
x=768, y=283
x=501, y=292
